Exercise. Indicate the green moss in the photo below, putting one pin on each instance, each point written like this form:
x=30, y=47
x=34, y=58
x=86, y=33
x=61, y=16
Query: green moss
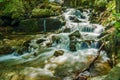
x=41, y=12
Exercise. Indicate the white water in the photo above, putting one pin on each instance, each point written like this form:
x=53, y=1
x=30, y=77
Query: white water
x=62, y=66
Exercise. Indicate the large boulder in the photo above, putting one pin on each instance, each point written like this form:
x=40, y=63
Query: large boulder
x=49, y=23
x=41, y=24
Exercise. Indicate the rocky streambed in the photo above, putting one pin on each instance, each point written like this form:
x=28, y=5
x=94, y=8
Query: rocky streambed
x=62, y=55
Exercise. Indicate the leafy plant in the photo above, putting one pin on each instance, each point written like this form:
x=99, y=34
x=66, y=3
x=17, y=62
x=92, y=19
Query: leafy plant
x=117, y=26
x=14, y=8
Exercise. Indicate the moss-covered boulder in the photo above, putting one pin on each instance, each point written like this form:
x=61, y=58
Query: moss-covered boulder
x=41, y=12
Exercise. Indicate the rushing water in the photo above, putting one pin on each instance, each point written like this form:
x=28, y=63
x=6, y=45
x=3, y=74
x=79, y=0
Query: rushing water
x=60, y=55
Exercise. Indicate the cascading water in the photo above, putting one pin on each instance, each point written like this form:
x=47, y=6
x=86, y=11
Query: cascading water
x=58, y=56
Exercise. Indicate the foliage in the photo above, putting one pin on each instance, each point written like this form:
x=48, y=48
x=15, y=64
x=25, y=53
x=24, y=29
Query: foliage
x=14, y=8
x=36, y=12
x=1, y=0
x=46, y=10
x=117, y=24
x=100, y=4
x=111, y=6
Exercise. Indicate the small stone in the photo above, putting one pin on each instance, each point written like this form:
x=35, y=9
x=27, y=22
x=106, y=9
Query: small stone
x=58, y=53
x=40, y=41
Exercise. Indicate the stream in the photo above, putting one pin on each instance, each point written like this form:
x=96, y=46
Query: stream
x=60, y=56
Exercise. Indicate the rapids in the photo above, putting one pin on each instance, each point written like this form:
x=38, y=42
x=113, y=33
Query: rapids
x=58, y=56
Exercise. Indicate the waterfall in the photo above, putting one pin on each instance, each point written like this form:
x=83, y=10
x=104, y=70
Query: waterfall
x=61, y=54
x=44, y=25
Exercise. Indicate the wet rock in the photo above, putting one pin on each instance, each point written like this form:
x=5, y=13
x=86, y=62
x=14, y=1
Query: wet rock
x=40, y=41
x=27, y=43
x=55, y=39
x=24, y=47
x=38, y=24
x=48, y=44
x=72, y=46
x=58, y=53
x=74, y=19
x=50, y=23
x=6, y=50
x=81, y=77
x=21, y=51
x=73, y=40
x=76, y=34
x=66, y=29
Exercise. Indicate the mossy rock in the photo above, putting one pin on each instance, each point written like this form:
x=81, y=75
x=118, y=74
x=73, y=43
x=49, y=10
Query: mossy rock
x=41, y=12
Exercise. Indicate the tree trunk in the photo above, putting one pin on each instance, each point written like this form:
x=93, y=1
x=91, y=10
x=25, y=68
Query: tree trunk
x=118, y=6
